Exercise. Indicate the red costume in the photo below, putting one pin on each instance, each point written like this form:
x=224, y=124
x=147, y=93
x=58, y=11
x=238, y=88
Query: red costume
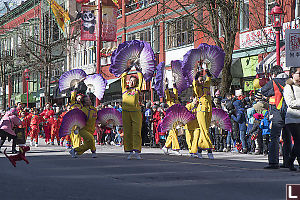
x=158, y=133
x=46, y=114
x=55, y=124
x=34, y=127
x=156, y=120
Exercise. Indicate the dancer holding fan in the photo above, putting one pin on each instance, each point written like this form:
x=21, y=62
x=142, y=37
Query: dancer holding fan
x=192, y=133
x=131, y=114
x=200, y=80
x=201, y=87
x=88, y=130
x=86, y=117
x=172, y=139
x=139, y=54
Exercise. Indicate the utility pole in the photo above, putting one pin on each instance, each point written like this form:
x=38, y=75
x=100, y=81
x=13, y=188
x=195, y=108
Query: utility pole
x=99, y=42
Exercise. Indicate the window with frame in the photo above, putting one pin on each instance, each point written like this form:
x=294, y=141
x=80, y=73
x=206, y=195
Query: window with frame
x=180, y=32
x=144, y=35
x=244, y=15
x=269, y=5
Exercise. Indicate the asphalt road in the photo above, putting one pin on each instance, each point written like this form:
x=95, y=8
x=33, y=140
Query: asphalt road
x=53, y=175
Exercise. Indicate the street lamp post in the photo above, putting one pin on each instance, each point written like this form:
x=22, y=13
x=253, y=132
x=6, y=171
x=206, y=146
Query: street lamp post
x=277, y=21
x=26, y=75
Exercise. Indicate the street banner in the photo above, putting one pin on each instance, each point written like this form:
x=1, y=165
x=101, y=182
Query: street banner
x=61, y=16
x=88, y=22
x=109, y=23
x=292, y=47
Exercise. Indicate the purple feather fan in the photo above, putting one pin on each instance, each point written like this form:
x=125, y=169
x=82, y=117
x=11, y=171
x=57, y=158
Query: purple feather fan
x=214, y=54
x=177, y=115
x=96, y=84
x=70, y=78
x=109, y=116
x=147, y=62
x=139, y=52
x=221, y=119
x=178, y=77
x=72, y=118
x=160, y=79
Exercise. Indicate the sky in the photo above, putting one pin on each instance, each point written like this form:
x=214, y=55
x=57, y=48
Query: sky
x=11, y=3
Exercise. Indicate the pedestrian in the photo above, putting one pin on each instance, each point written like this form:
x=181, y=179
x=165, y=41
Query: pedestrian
x=131, y=114
x=265, y=127
x=172, y=139
x=241, y=120
x=256, y=134
x=34, y=127
x=277, y=108
x=192, y=131
x=88, y=130
x=46, y=114
x=8, y=122
x=292, y=119
x=201, y=87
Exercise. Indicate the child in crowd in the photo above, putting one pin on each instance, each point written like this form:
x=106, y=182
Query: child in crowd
x=255, y=134
x=265, y=127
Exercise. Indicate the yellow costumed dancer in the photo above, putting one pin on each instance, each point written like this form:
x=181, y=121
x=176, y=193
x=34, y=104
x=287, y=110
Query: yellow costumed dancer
x=75, y=103
x=88, y=130
x=192, y=130
x=172, y=139
x=131, y=114
x=201, y=87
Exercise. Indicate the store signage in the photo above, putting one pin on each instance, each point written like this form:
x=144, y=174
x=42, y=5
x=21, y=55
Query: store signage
x=292, y=47
x=264, y=36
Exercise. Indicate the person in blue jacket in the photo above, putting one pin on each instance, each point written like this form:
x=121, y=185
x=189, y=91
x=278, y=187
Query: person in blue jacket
x=240, y=118
x=265, y=127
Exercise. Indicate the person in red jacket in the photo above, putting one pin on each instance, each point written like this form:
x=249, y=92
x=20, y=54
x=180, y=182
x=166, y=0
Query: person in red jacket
x=160, y=136
x=34, y=127
x=155, y=120
x=55, y=124
x=25, y=123
x=46, y=114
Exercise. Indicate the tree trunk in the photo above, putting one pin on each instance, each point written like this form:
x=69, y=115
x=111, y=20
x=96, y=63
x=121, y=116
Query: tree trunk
x=226, y=74
x=47, y=83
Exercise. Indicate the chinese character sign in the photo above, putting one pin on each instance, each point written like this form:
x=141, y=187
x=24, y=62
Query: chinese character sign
x=109, y=23
x=292, y=41
x=88, y=22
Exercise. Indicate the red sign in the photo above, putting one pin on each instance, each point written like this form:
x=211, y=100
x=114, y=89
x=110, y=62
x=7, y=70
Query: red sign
x=293, y=191
x=88, y=22
x=109, y=23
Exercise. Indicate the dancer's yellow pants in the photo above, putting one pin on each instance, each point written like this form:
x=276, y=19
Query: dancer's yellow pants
x=192, y=139
x=132, y=125
x=172, y=139
x=75, y=139
x=204, y=119
x=88, y=142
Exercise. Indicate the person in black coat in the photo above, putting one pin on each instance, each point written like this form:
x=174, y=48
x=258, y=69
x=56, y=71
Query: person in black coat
x=274, y=90
x=256, y=134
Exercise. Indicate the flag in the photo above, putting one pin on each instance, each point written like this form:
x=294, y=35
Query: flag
x=61, y=16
